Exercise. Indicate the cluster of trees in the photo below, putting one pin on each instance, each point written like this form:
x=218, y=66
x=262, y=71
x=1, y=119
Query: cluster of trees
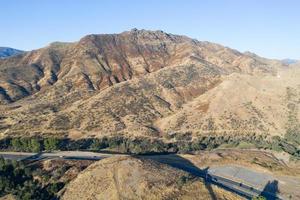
x=26, y=144
x=286, y=145
x=146, y=145
x=34, y=144
x=17, y=180
x=150, y=146
x=127, y=145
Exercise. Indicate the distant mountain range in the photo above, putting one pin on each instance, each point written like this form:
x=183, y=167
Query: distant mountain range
x=289, y=61
x=7, y=52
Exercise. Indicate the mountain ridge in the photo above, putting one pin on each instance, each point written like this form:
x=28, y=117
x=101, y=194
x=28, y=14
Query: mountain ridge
x=142, y=83
x=7, y=52
x=46, y=62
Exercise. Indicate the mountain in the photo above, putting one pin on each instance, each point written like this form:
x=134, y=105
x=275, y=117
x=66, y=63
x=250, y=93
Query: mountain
x=7, y=52
x=146, y=83
x=289, y=61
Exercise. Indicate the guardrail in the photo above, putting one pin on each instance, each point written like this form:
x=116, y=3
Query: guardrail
x=241, y=188
x=237, y=187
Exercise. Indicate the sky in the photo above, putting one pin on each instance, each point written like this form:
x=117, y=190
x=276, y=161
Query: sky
x=269, y=28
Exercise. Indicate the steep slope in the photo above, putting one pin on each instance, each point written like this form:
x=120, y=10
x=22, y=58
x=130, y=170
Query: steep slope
x=99, y=61
x=241, y=104
x=7, y=52
x=140, y=83
x=131, y=178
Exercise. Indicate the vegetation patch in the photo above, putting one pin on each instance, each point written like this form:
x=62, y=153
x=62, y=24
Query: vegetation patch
x=292, y=125
x=144, y=145
x=21, y=182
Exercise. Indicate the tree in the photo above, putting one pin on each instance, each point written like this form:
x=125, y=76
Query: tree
x=25, y=144
x=96, y=145
x=16, y=144
x=53, y=188
x=2, y=163
x=35, y=145
x=51, y=144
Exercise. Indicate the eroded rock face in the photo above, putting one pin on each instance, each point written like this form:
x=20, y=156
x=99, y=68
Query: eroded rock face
x=138, y=82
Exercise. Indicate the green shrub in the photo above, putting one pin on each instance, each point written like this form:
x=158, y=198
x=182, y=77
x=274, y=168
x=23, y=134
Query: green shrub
x=259, y=198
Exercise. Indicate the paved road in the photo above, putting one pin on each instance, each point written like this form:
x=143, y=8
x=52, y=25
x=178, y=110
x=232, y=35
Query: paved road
x=15, y=155
x=237, y=180
x=227, y=179
x=242, y=174
x=20, y=156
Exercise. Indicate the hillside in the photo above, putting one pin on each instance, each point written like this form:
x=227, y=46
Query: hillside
x=146, y=83
x=132, y=178
x=7, y=52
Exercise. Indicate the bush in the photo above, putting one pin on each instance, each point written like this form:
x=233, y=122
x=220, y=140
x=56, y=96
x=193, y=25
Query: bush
x=53, y=188
x=185, y=179
x=293, y=135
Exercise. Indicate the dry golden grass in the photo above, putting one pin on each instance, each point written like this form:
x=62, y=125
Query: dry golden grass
x=132, y=178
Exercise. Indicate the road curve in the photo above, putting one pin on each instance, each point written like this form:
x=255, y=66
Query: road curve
x=243, y=190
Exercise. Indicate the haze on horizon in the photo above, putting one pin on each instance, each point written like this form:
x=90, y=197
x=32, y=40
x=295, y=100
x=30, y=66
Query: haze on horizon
x=267, y=28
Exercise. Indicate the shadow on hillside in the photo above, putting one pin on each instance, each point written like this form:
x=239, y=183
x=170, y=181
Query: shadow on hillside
x=208, y=185
x=187, y=166
x=176, y=161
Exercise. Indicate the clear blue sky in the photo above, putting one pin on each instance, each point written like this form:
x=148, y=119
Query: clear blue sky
x=267, y=27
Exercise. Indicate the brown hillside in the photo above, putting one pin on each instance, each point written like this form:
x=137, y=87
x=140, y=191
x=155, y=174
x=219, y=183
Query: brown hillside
x=131, y=178
x=147, y=83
